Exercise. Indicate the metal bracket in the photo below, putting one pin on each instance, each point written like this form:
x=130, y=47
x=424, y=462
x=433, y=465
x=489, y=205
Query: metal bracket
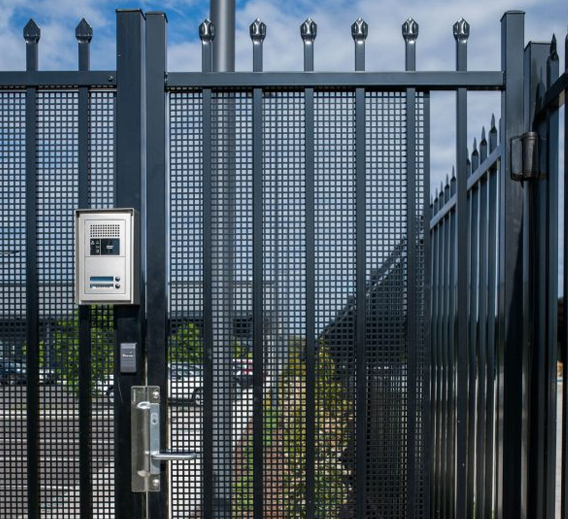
x=145, y=435
x=527, y=161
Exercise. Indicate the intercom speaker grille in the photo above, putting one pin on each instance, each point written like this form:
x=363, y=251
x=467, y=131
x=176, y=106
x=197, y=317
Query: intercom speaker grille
x=105, y=231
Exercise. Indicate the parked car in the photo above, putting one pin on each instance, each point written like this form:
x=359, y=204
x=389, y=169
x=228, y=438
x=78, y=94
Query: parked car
x=185, y=383
x=105, y=387
x=12, y=373
x=243, y=373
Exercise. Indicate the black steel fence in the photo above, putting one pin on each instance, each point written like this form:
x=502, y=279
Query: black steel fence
x=286, y=264
x=495, y=310
x=480, y=355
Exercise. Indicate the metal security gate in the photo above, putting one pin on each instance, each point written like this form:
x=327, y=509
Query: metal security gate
x=298, y=201
x=285, y=310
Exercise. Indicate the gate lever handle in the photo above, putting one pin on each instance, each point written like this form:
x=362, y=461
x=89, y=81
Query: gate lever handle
x=174, y=456
x=145, y=431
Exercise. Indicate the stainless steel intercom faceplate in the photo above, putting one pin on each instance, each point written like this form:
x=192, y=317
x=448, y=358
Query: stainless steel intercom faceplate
x=107, y=262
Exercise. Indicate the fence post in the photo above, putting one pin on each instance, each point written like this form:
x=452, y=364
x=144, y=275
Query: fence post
x=84, y=34
x=32, y=35
x=359, y=32
x=257, y=34
x=156, y=233
x=534, y=229
x=460, y=307
x=551, y=190
x=130, y=169
x=308, y=30
x=410, y=34
x=511, y=424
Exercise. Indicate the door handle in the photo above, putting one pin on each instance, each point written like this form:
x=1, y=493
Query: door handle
x=145, y=436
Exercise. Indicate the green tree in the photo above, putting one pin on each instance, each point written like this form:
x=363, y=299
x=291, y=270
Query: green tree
x=60, y=348
x=186, y=345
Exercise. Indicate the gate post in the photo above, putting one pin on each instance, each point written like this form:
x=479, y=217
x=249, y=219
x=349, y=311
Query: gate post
x=511, y=422
x=156, y=233
x=130, y=170
x=541, y=275
x=535, y=65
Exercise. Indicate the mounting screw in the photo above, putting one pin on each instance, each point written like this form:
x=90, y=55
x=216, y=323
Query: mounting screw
x=156, y=395
x=156, y=483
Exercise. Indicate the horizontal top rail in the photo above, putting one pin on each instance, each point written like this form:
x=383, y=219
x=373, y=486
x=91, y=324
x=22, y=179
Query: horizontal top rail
x=387, y=80
x=62, y=79
x=472, y=181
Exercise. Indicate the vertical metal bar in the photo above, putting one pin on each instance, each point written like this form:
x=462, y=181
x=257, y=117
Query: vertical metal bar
x=435, y=391
x=257, y=33
x=222, y=14
x=130, y=170
x=491, y=329
x=359, y=32
x=451, y=345
x=156, y=234
x=437, y=256
x=461, y=34
x=308, y=31
x=534, y=296
x=207, y=34
x=84, y=34
x=551, y=196
x=511, y=487
x=32, y=35
x=445, y=325
x=223, y=229
x=472, y=353
x=564, y=334
x=474, y=292
x=427, y=404
x=481, y=445
x=410, y=34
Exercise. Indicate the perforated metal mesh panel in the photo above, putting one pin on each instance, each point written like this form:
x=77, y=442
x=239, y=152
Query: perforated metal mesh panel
x=284, y=390
x=284, y=279
x=101, y=192
x=232, y=241
x=387, y=243
x=423, y=354
x=335, y=289
x=56, y=153
x=13, y=442
x=57, y=199
x=185, y=345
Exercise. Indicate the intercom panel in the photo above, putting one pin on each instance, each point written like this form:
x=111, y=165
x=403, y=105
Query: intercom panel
x=107, y=256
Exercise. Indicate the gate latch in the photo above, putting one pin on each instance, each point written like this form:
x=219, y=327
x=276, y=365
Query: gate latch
x=527, y=159
x=145, y=435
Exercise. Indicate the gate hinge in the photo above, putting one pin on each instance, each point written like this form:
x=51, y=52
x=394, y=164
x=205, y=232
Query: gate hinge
x=527, y=161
